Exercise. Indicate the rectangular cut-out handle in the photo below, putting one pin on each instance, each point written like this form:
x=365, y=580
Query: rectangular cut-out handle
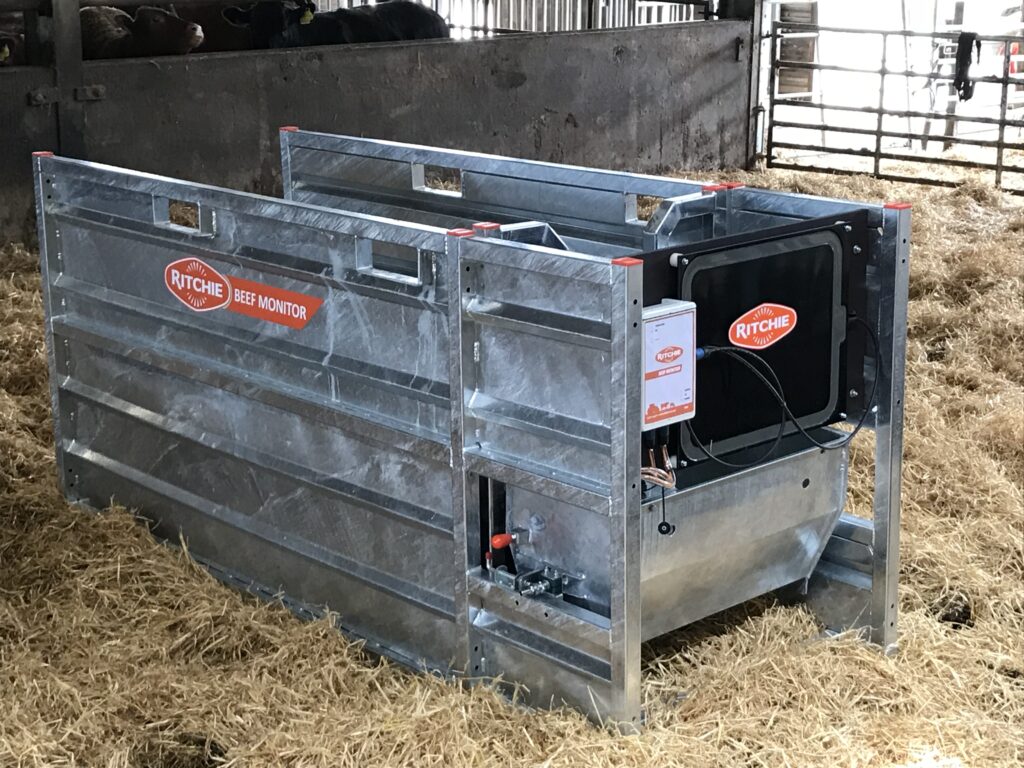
x=397, y=263
x=184, y=216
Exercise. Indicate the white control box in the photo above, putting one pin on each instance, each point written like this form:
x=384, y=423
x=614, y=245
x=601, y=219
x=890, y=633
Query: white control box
x=669, y=354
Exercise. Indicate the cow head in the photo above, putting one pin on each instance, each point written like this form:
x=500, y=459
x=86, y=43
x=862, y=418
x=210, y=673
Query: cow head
x=165, y=33
x=268, y=20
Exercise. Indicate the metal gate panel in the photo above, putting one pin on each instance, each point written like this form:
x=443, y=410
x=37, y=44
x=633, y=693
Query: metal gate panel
x=876, y=122
x=551, y=414
x=300, y=430
x=355, y=174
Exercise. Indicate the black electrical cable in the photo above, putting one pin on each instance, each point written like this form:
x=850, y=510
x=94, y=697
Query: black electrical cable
x=775, y=387
x=778, y=435
x=734, y=352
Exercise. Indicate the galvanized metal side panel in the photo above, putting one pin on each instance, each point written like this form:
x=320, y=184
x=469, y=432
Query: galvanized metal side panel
x=551, y=411
x=370, y=175
x=307, y=447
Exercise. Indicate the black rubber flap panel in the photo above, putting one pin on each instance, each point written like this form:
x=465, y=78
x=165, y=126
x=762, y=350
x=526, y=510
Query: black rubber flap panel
x=780, y=298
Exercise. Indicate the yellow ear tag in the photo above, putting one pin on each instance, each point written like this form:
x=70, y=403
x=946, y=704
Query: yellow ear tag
x=306, y=17
x=5, y=53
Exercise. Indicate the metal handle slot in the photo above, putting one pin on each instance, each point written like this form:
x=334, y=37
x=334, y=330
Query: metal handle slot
x=184, y=216
x=641, y=208
x=437, y=179
x=404, y=264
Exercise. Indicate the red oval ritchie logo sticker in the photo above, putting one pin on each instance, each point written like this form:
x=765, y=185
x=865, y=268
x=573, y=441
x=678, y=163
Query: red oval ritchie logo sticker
x=762, y=326
x=197, y=285
x=668, y=354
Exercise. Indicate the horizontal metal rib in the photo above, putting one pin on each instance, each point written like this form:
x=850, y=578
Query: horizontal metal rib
x=414, y=387
x=564, y=656
x=411, y=593
x=534, y=258
x=551, y=426
x=359, y=225
x=264, y=262
x=547, y=616
x=590, y=178
x=307, y=612
x=856, y=529
x=537, y=322
x=377, y=503
x=540, y=479
x=371, y=427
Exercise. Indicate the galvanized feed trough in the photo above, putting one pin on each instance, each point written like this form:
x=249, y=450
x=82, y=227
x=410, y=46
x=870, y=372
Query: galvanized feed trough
x=353, y=397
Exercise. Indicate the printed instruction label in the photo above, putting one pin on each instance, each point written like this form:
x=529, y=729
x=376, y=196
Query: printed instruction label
x=202, y=288
x=669, y=358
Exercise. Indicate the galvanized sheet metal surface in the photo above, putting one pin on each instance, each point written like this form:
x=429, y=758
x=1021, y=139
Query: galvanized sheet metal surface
x=278, y=450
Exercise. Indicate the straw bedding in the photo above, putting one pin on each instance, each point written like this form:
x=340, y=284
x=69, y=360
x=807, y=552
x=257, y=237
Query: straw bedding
x=118, y=651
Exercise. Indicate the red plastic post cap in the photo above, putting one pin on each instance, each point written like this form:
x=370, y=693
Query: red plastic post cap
x=461, y=232
x=733, y=184
x=289, y=128
x=626, y=261
x=898, y=206
x=501, y=540
x=713, y=187
x=42, y=154
x=486, y=226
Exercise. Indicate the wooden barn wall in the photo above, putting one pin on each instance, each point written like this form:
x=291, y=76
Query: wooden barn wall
x=642, y=99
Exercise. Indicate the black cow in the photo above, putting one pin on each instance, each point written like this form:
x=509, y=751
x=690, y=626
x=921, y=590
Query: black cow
x=110, y=33
x=267, y=21
x=294, y=24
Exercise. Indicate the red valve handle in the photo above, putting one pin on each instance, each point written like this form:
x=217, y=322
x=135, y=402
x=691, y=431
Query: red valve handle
x=501, y=540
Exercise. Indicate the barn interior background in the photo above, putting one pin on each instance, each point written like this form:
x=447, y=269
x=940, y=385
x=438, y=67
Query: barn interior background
x=639, y=97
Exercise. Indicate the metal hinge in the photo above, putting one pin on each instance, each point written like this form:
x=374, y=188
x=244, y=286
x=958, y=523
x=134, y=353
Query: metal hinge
x=40, y=97
x=43, y=96
x=91, y=93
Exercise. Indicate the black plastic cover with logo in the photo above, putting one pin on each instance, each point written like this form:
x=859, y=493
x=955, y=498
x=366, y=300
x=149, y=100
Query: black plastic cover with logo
x=812, y=277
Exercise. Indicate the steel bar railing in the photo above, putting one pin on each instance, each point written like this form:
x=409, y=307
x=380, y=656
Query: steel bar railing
x=1000, y=120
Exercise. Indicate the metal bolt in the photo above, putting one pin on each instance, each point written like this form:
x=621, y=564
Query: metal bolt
x=857, y=249
x=476, y=351
x=537, y=523
x=854, y=393
x=847, y=228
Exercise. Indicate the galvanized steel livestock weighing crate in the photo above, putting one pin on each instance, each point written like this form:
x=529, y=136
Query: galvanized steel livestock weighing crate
x=353, y=397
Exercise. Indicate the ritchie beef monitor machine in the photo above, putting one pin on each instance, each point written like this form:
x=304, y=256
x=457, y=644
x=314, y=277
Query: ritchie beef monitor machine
x=508, y=425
